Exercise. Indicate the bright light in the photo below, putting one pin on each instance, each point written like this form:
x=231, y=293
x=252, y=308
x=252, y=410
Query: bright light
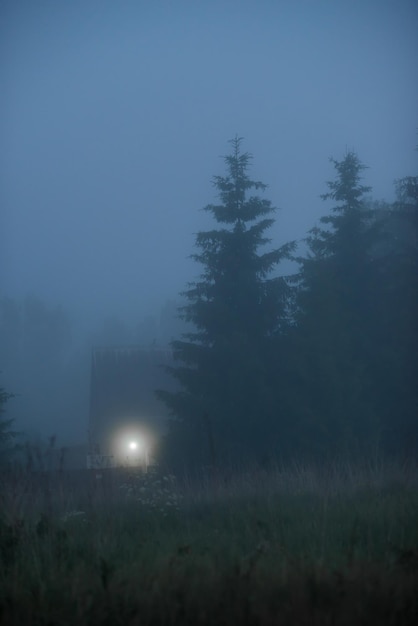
x=132, y=446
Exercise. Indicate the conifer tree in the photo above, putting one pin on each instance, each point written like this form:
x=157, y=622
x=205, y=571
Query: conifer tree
x=335, y=339
x=397, y=362
x=6, y=434
x=225, y=406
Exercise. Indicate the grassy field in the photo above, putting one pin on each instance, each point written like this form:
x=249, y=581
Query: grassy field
x=295, y=546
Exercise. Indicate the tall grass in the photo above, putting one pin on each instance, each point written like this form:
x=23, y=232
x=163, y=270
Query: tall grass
x=299, y=545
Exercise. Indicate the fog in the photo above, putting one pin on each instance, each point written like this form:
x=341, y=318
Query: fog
x=115, y=116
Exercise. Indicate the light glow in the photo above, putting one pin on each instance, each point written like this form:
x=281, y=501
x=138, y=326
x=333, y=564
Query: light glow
x=132, y=445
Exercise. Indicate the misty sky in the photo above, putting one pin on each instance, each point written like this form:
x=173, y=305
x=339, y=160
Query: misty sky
x=114, y=117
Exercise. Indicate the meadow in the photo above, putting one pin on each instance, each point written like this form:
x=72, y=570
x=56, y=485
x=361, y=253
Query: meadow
x=299, y=545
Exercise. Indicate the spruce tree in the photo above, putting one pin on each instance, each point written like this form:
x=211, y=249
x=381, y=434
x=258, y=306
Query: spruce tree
x=397, y=363
x=334, y=338
x=224, y=407
x=6, y=434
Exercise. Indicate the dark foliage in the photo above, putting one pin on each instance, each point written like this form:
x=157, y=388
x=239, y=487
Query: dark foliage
x=7, y=435
x=333, y=339
x=320, y=364
x=227, y=405
x=397, y=352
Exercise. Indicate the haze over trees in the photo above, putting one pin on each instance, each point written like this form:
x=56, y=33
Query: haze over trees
x=40, y=366
x=313, y=365
x=45, y=360
x=397, y=352
x=238, y=310
x=321, y=363
x=333, y=338
x=7, y=434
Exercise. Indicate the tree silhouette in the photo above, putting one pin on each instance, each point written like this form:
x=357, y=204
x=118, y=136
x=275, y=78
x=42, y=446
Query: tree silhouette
x=224, y=406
